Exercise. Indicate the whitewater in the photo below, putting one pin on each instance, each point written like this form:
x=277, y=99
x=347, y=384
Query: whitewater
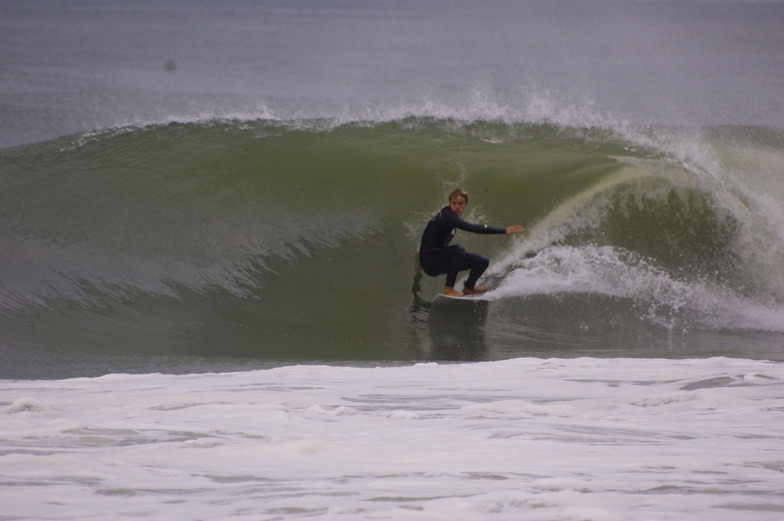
x=209, y=306
x=542, y=439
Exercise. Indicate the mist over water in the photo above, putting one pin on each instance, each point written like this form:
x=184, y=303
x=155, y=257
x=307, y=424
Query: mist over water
x=90, y=65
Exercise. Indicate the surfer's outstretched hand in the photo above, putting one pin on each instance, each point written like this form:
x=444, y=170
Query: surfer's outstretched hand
x=514, y=229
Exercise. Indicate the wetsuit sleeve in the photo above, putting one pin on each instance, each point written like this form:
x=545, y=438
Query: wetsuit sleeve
x=459, y=223
x=481, y=228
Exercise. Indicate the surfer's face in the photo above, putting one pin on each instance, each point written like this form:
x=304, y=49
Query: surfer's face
x=457, y=204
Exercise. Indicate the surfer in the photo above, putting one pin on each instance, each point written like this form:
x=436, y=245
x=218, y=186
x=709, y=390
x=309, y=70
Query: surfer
x=437, y=257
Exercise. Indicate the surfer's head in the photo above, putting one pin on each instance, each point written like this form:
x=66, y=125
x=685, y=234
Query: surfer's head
x=458, y=200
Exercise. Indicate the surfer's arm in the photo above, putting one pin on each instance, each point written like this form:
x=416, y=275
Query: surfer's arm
x=479, y=228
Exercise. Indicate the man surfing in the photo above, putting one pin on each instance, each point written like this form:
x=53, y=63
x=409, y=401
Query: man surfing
x=437, y=257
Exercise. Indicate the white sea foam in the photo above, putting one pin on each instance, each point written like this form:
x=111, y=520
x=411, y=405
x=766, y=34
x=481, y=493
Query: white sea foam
x=519, y=439
x=614, y=272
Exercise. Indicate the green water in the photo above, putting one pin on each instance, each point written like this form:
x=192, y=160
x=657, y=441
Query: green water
x=266, y=241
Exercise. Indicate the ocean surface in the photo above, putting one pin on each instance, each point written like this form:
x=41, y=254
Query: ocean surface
x=209, y=301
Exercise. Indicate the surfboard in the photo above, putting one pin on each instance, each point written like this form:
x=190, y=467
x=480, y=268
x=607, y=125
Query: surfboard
x=468, y=299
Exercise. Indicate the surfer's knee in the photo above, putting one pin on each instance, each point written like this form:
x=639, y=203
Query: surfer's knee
x=479, y=262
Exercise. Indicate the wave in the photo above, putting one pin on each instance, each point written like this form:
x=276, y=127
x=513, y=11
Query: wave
x=275, y=238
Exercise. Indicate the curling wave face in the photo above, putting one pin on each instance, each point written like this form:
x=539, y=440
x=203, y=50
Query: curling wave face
x=274, y=240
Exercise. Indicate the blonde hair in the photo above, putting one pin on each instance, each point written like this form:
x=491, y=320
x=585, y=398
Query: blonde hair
x=458, y=192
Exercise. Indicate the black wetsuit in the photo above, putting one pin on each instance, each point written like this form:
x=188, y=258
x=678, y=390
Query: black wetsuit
x=436, y=256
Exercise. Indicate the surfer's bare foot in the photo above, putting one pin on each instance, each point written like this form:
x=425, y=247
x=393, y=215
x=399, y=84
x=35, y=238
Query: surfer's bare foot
x=476, y=290
x=451, y=292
